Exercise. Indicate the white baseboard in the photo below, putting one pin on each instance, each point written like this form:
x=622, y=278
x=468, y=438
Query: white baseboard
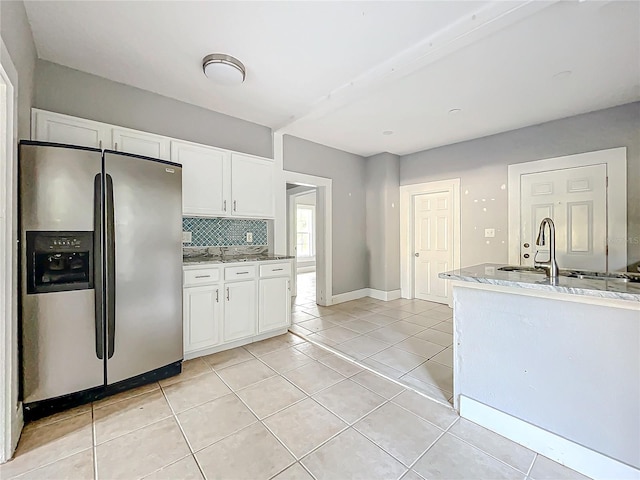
x=238, y=343
x=382, y=295
x=582, y=459
x=366, y=292
x=310, y=268
x=348, y=296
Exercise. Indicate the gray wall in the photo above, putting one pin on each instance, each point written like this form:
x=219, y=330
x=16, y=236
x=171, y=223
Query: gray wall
x=482, y=167
x=64, y=90
x=350, y=269
x=16, y=35
x=382, y=182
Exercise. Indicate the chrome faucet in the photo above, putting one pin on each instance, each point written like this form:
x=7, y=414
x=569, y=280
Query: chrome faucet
x=550, y=266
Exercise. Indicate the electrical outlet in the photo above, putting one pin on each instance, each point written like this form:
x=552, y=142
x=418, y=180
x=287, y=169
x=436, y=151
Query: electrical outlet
x=186, y=237
x=489, y=232
x=249, y=237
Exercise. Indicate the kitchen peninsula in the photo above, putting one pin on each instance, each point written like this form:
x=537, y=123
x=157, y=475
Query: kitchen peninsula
x=554, y=366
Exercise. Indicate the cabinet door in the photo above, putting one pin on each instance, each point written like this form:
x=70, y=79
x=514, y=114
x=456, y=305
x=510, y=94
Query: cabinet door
x=275, y=304
x=140, y=143
x=205, y=179
x=240, y=314
x=201, y=315
x=252, y=186
x=58, y=128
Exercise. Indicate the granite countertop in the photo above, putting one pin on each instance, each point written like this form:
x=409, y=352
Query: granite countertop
x=202, y=259
x=489, y=273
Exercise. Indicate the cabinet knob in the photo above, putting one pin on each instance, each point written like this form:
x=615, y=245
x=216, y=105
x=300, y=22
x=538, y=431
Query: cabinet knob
x=526, y=245
x=526, y=255
x=417, y=254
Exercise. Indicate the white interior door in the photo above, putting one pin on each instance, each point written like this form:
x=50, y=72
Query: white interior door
x=433, y=246
x=576, y=200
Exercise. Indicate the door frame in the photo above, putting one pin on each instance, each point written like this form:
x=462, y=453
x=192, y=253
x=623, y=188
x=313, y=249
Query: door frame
x=407, y=228
x=10, y=414
x=324, y=253
x=292, y=227
x=616, y=161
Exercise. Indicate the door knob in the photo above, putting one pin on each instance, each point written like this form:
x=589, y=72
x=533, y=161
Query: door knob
x=417, y=254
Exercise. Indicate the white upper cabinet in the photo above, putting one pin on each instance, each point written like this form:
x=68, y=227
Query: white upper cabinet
x=205, y=179
x=58, y=128
x=140, y=143
x=252, y=186
x=215, y=182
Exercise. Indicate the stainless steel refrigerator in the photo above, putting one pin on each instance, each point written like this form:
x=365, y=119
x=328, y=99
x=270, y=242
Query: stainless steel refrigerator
x=101, y=273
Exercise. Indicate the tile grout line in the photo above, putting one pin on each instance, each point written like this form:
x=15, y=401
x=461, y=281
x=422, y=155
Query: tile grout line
x=370, y=369
x=95, y=445
x=175, y=418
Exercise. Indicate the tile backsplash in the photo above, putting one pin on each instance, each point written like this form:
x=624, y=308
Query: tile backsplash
x=222, y=232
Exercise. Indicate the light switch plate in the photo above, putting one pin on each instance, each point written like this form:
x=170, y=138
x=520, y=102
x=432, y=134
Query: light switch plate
x=249, y=237
x=489, y=232
x=186, y=237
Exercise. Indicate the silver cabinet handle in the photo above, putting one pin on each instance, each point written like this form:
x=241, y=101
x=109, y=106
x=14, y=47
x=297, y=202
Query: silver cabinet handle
x=235, y=204
x=203, y=276
x=289, y=285
x=224, y=206
x=217, y=296
x=241, y=273
x=227, y=293
x=100, y=144
x=116, y=147
x=277, y=269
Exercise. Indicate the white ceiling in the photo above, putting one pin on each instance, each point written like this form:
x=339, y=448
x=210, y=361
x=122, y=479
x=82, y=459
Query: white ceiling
x=341, y=73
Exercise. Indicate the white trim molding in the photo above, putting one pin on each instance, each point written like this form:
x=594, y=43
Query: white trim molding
x=557, y=448
x=366, y=292
x=407, y=192
x=324, y=219
x=10, y=412
x=382, y=295
x=615, y=160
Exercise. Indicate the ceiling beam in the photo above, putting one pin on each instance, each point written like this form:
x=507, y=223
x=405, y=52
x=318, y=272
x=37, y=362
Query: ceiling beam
x=485, y=21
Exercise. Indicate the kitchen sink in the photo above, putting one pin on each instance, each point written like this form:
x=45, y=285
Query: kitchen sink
x=511, y=268
x=586, y=275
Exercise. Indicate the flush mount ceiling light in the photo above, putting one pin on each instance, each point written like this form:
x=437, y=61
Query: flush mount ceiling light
x=224, y=69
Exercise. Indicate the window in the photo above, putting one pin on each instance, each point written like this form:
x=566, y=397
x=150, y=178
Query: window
x=306, y=222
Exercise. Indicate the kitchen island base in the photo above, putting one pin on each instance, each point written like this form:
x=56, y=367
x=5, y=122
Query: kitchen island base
x=556, y=372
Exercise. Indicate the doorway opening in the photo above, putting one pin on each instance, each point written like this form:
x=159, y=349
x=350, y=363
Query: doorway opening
x=302, y=240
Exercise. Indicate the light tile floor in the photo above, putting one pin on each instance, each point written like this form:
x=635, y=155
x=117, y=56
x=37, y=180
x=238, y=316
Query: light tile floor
x=408, y=340
x=282, y=408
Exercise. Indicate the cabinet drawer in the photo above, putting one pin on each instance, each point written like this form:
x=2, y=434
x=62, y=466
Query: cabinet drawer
x=201, y=276
x=275, y=270
x=244, y=272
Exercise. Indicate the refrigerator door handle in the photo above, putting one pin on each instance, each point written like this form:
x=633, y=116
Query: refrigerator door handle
x=98, y=279
x=110, y=254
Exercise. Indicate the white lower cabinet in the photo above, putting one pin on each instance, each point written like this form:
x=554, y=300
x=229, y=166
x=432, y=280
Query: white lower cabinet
x=231, y=305
x=275, y=304
x=239, y=310
x=201, y=314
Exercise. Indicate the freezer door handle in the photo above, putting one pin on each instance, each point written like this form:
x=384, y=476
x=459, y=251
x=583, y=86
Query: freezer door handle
x=110, y=254
x=98, y=279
